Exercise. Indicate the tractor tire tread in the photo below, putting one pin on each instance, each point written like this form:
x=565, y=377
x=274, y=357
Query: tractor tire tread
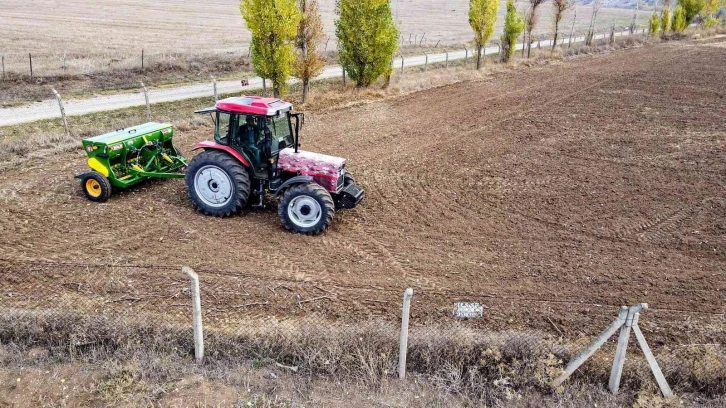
x=106, y=188
x=235, y=170
x=310, y=189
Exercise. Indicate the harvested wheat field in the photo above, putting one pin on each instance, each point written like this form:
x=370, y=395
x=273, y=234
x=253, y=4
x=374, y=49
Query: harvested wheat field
x=552, y=194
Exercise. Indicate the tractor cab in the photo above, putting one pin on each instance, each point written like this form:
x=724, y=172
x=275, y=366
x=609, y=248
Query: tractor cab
x=255, y=154
x=258, y=129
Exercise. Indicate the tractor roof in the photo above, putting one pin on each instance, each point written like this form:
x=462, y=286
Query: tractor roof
x=253, y=105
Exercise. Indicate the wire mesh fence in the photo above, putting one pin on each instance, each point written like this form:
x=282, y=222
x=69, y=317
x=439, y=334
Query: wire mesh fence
x=322, y=328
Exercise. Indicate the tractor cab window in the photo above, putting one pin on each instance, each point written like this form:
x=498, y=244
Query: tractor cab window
x=281, y=131
x=221, y=131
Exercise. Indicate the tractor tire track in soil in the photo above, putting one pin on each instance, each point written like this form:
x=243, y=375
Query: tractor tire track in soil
x=561, y=190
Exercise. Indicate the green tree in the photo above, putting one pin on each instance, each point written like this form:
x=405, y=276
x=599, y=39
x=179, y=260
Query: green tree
x=367, y=39
x=679, y=19
x=513, y=27
x=691, y=8
x=482, y=19
x=273, y=24
x=654, y=23
x=665, y=20
x=308, y=63
x=710, y=10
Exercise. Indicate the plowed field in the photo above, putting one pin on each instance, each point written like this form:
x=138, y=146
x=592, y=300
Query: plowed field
x=551, y=194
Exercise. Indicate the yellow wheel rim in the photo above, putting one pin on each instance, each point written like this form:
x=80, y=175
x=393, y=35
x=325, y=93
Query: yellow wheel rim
x=93, y=187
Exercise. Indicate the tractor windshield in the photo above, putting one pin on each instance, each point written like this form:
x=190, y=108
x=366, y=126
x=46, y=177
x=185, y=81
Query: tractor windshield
x=281, y=130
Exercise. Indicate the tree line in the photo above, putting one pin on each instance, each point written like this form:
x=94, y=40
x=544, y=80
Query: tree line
x=286, y=34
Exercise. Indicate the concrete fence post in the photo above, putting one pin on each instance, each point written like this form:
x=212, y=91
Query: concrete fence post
x=146, y=97
x=403, y=349
x=466, y=54
x=214, y=85
x=3, y=58
x=446, y=64
x=64, y=60
x=62, y=111
x=142, y=59
x=426, y=62
x=30, y=58
x=401, y=64
x=196, y=314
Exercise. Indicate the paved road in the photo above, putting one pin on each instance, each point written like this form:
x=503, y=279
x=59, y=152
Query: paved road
x=48, y=109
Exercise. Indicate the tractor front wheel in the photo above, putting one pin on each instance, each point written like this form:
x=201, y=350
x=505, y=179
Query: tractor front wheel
x=217, y=183
x=95, y=186
x=306, y=209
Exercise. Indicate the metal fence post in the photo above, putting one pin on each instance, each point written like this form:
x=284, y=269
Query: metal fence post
x=30, y=57
x=62, y=111
x=146, y=96
x=196, y=314
x=142, y=59
x=466, y=54
x=426, y=63
x=446, y=65
x=401, y=64
x=403, y=349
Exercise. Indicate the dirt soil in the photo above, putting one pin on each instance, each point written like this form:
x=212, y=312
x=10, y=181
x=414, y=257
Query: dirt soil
x=551, y=194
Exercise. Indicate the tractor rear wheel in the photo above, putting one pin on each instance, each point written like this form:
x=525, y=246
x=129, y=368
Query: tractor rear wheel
x=217, y=183
x=95, y=186
x=306, y=209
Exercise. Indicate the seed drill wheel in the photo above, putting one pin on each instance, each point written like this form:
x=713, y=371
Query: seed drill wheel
x=306, y=209
x=95, y=187
x=217, y=183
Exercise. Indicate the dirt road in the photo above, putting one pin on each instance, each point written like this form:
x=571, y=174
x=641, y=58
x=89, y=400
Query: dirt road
x=542, y=192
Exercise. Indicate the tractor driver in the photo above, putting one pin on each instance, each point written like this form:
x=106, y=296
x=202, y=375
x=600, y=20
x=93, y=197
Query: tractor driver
x=248, y=136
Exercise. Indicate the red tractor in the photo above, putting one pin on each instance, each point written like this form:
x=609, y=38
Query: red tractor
x=255, y=153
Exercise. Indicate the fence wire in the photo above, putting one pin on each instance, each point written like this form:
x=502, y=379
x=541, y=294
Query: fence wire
x=75, y=310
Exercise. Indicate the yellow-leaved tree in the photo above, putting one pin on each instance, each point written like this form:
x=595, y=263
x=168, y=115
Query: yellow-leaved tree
x=482, y=19
x=367, y=39
x=308, y=63
x=273, y=24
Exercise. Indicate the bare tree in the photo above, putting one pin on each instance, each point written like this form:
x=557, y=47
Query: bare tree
x=560, y=6
x=572, y=30
x=532, y=18
x=635, y=16
x=596, y=4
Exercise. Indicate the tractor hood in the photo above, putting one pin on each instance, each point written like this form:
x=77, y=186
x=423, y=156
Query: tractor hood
x=325, y=170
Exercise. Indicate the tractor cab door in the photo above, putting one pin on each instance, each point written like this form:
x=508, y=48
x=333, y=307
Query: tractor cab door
x=247, y=137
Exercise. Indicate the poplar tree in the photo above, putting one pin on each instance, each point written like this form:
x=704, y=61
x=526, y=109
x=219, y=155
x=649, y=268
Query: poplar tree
x=513, y=27
x=679, y=19
x=273, y=24
x=308, y=63
x=367, y=39
x=665, y=19
x=654, y=23
x=482, y=19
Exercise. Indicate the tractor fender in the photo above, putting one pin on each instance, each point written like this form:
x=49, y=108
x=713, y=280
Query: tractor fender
x=291, y=182
x=207, y=145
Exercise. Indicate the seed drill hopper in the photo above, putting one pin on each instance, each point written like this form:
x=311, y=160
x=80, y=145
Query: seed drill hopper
x=128, y=156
